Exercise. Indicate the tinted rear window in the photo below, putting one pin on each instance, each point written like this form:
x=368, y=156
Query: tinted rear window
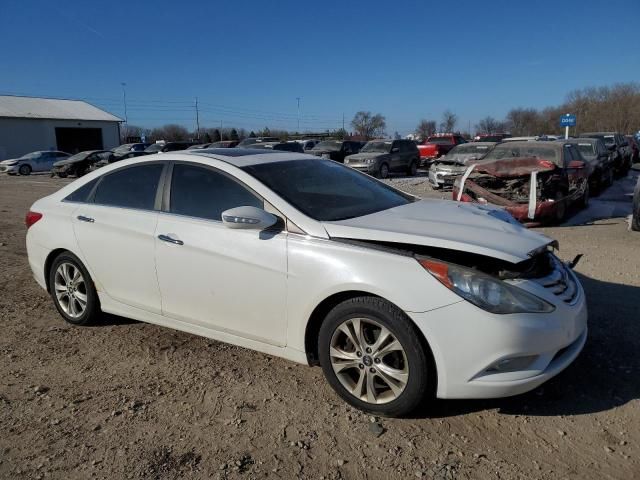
x=133, y=187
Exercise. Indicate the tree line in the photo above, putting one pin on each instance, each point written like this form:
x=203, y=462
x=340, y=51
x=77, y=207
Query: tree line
x=608, y=108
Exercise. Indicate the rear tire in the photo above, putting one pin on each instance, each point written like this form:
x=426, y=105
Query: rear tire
x=387, y=374
x=73, y=291
x=25, y=170
x=413, y=169
x=584, y=199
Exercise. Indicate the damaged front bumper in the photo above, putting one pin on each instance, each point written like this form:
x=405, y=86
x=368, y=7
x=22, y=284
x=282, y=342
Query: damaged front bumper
x=490, y=356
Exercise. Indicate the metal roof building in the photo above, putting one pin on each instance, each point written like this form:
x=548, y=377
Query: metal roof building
x=29, y=124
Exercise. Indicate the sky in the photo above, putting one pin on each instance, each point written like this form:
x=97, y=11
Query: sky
x=248, y=62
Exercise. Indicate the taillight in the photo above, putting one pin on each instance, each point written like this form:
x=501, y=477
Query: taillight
x=31, y=218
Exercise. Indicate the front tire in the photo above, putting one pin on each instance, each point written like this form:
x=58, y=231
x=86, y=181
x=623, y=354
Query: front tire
x=25, y=170
x=73, y=291
x=372, y=356
x=384, y=171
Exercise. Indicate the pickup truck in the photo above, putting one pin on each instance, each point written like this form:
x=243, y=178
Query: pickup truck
x=438, y=145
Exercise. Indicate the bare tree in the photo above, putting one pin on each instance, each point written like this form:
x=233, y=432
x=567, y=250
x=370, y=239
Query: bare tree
x=449, y=120
x=170, y=132
x=425, y=128
x=490, y=125
x=368, y=125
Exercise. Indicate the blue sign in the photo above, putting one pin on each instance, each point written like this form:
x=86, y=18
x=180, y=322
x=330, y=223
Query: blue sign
x=568, y=120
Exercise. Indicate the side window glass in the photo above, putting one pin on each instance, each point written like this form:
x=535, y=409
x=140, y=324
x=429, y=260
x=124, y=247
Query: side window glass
x=82, y=194
x=133, y=187
x=204, y=193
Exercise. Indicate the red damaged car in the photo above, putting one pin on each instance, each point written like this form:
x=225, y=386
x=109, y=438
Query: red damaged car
x=438, y=145
x=536, y=182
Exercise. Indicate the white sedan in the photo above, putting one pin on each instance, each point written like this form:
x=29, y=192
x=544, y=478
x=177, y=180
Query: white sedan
x=397, y=298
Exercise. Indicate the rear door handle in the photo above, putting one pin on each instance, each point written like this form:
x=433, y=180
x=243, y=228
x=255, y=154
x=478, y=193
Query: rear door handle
x=82, y=218
x=167, y=238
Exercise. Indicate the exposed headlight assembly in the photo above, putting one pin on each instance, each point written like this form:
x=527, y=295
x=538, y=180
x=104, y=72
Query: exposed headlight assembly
x=484, y=291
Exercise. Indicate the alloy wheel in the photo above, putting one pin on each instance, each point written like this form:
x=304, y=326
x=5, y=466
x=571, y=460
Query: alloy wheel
x=71, y=290
x=369, y=361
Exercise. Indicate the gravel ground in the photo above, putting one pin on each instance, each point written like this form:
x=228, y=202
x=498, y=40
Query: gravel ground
x=131, y=400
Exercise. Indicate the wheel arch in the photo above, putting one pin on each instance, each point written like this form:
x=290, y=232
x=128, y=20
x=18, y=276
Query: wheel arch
x=321, y=311
x=53, y=254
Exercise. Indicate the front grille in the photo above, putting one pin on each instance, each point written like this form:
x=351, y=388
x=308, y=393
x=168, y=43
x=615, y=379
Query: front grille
x=559, y=282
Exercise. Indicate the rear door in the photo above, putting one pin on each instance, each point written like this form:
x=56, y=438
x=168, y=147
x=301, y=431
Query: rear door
x=230, y=280
x=116, y=234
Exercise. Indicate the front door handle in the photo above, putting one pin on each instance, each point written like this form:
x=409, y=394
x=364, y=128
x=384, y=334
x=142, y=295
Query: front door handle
x=167, y=238
x=82, y=218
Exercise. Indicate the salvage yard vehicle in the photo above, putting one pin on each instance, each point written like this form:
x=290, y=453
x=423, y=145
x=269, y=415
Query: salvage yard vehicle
x=336, y=150
x=619, y=148
x=396, y=298
x=251, y=140
x=635, y=148
x=80, y=163
x=536, y=182
x=438, y=145
x=445, y=170
x=491, y=137
x=597, y=155
x=381, y=157
x=224, y=144
x=282, y=146
x=32, y=162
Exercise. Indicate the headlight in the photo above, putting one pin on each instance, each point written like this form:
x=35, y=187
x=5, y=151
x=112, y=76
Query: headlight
x=11, y=164
x=485, y=291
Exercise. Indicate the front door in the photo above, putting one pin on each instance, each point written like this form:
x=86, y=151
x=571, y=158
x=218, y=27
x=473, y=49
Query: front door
x=231, y=280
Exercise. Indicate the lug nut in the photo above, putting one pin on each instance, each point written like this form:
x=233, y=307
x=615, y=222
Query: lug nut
x=368, y=350
x=377, y=360
x=372, y=370
x=361, y=366
x=358, y=354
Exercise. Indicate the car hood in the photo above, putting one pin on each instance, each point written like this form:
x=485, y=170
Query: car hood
x=481, y=229
x=10, y=160
x=366, y=155
x=68, y=162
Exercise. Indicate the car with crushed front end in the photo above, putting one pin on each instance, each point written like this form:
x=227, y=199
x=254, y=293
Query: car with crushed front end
x=80, y=163
x=397, y=299
x=382, y=157
x=444, y=170
x=536, y=182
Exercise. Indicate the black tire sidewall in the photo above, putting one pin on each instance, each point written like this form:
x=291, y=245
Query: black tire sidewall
x=23, y=169
x=422, y=378
x=92, y=310
x=382, y=168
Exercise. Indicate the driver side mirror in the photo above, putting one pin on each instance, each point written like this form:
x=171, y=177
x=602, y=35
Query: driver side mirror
x=248, y=218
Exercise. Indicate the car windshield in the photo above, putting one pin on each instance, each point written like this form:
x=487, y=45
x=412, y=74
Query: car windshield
x=440, y=140
x=609, y=139
x=31, y=155
x=478, y=150
x=78, y=156
x=329, y=146
x=156, y=147
x=325, y=190
x=123, y=148
x=523, y=151
x=381, y=147
x=586, y=149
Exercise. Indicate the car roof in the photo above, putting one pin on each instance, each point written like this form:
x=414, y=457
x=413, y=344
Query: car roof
x=599, y=133
x=580, y=140
x=243, y=157
x=480, y=144
x=524, y=143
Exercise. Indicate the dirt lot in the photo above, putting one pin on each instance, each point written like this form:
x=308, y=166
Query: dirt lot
x=131, y=400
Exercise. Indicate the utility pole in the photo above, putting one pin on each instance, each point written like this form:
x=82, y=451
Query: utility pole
x=126, y=119
x=298, y=99
x=343, y=121
x=197, y=121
